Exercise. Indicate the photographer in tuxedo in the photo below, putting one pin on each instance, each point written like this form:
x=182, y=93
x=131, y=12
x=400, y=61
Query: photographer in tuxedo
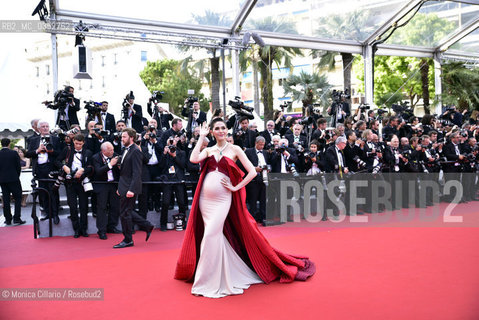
x=172, y=164
x=108, y=209
x=43, y=150
x=132, y=113
x=269, y=132
x=129, y=186
x=76, y=163
x=161, y=115
x=105, y=118
x=195, y=116
x=256, y=189
x=243, y=136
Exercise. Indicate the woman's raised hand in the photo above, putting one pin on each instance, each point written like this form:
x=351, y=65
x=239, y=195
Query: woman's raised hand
x=204, y=129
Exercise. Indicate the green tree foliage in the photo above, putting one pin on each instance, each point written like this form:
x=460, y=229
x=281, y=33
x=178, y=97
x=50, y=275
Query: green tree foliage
x=395, y=79
x=342, y=26
x=460, y=85
x=208, y=68
x=307, y=88
x=269, y=55
x=165, y=76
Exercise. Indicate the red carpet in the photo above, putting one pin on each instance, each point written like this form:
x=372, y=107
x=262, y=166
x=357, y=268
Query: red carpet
x=397, y=270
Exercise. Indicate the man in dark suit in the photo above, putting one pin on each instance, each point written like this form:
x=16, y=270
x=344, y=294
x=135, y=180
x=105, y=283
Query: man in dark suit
x=67, y=116
x=161, y=115
x=76, y=163
x=256, y=189
x=129, y=186
x=10, y=170
x=195, y=116
x=269, y=132
x=43, y=150
x=283, y=157
x=243, y=136
x=106, y=118
x=175, y=131
x=339, y=111
x=152, y=151
x=132, y=113
x=108, y=209
x=334, y=157
x=172, y=165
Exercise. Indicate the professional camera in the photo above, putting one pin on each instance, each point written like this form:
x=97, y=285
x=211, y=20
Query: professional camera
x=286, y=105
x=264, y=173
x=361, y=163
x=59, y=176
x=363, y=107
x=180, y=221
x=156, y=96
x=101, y=132
x=152, y=136
x=92, y=107
x=306, y=121
x=62, y=98
x=281, y=149
x=299, y=147
x=336, y=95
x=292, y=168
x=403, y=110
x=126, y=102
x=45, y=140
x=171, y=146
x=240, y=109
x=116, y=136
x=310, y=155
x=191, y=99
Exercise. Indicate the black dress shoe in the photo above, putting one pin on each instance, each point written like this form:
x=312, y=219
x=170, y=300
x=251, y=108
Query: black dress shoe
x=19, y=222
x=56, y=220
x=114, y=230
x=148, y=232
x=77, y=234
x=102, y=236
x=94, y=214
x=8, y=223
x=163, y=228
x=43, y=218
x=85, y=234
x=123, y=244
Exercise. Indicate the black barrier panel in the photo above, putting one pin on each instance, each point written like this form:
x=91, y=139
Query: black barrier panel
x=372, y=199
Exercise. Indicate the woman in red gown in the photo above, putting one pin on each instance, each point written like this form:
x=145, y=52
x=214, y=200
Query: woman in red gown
x=223, y=251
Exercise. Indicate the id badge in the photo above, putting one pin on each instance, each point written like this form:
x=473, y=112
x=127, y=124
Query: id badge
x=171, y=170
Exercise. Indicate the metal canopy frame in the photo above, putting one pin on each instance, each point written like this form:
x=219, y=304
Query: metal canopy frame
x=208, y=36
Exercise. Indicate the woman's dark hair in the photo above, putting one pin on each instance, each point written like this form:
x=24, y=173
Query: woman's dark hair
x=315, y=142
x=427, y=119
x=214, y=121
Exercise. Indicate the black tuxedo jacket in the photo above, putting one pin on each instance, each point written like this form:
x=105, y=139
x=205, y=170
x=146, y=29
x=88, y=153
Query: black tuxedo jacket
x=333, y=111
x=101, y=171
x=200, y=119
x=34, y=143
x=72, y=112
x=247, y=140
x=349, y=154
x=110, y=123
x=179, y=162
x=302, y=140
x=450, y=153
x=275, y=160
x=137, y=119
x=265, y=134
x=253, y=157
x=66, y=158
x=331, y=163
x=163, y=120
x=130, y=171
x=9, y=166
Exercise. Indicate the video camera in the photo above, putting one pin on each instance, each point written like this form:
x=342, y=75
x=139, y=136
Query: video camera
x=92, y=107
x=101, y=132
x=336, y=95
x=126, y=102
x=191, y=99
x=240, y=109
x=285, y=105
x=156, y=96
x=62, y=98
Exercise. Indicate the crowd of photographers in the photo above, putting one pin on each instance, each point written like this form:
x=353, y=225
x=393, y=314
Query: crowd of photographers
x=364, y=141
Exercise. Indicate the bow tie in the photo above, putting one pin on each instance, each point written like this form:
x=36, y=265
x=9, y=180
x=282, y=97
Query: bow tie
x=103, y=113
x=76, y=151
x=258, y=151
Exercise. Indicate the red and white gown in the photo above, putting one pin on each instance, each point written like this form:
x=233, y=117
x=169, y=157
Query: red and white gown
x=223, y=251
